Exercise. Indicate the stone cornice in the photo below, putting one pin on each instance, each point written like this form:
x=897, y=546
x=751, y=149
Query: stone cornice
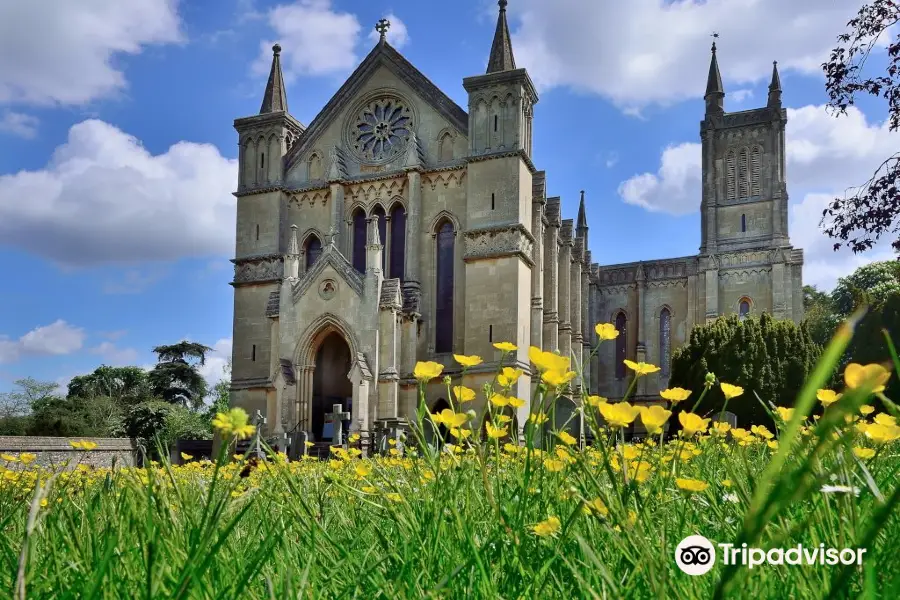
x=505, y=154
x=266, y=268
x=498, y=241
x=251, y=382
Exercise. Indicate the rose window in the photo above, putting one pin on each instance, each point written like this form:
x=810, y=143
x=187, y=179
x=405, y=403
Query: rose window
x=382, y=129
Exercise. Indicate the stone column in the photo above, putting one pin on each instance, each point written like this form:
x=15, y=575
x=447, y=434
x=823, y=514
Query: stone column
x=778, y=289
x=337, y=219
x=586, y=327
x=415, y=247
x=551, y=277
x=565, y=288
x=304, y=395
x=711, y=277
x=537, y=255
x=640, y=326
x=595, y=311
x=575, y=301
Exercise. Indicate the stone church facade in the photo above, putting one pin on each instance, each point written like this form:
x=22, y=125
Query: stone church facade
x=398, y=227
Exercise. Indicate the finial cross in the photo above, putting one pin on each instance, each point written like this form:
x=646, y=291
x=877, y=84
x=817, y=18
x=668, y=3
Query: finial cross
x=715, y=36
x=382, y=27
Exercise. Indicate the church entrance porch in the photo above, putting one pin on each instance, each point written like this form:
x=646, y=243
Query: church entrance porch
x=331, y=386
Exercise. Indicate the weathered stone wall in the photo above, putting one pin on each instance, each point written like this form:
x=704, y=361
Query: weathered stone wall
x=55, y=451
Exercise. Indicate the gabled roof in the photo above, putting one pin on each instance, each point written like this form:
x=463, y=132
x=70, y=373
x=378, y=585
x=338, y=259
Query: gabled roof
x=383, y=54
x=330, y=256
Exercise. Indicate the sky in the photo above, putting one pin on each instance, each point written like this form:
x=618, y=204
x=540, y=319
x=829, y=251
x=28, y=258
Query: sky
x=118, y=155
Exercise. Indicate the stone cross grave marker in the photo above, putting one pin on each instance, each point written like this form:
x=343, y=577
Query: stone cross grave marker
x=337, y=417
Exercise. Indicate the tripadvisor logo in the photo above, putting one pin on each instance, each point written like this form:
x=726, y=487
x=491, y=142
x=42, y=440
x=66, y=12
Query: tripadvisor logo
x=696, y=555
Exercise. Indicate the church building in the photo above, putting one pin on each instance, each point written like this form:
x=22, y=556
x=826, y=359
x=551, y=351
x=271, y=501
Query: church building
x=399, y=227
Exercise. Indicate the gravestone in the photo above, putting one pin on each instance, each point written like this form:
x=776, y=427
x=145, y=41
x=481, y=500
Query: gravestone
x=336, y=417
x=727, y=417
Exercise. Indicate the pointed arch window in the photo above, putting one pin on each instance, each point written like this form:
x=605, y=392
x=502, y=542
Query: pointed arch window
x=313, y=251
x=398, y=241
x=744, y=173
x=315, y=167
x=446, y=152
x=665, y=340
x=744, y=308
x=730, y=176
x=445, y=242
x=359, y=241
x=621, y=343
x=755, y=168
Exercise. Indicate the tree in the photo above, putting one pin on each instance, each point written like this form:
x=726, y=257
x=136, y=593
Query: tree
x=176, y=377
x=819, y=315
x=220, y=394
x=766, y=357
x=16, y=406
x=126, y=385
x=858, y=220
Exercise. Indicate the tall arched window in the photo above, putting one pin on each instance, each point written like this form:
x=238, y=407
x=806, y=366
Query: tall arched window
x=313, y=251
x=379, y=214
x=315, y=167
x=398, y=241
x=359, y=241
x=744, y=309
x=444, y=293
x=665, y=340
x=446, y=149
x=730, y=176
x=755, y=167
x=621, y=343
x=744, y=174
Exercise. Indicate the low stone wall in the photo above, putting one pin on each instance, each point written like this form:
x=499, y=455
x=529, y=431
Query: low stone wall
x=52, y=451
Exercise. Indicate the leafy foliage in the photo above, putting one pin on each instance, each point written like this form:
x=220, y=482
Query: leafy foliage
x=859, y=220
x=127, y=385
x=176, y=378
x=764, y=356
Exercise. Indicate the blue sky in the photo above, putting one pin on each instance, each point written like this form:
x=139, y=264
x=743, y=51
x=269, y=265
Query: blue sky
x=117, y=150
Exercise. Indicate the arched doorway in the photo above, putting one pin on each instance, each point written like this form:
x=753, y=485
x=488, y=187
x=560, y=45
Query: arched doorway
x=440, y=434
x=330, y=385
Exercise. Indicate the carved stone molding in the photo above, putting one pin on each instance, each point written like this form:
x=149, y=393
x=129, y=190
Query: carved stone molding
x=491, y=242
x=310, y=198
x=258, y=269
x=454, y=178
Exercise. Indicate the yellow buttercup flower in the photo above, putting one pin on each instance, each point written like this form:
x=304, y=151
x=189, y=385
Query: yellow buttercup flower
x=762, y=431
x=234, y=422
x=547, y=361
x=654, y=417
x=864, y=453
x=731, y=391
x=885, y=419
x=467, y=361
x=450, y=418
x=619, y=414
x=598, y=506
x=882, y=434
x=641, y=368
x=460, y=433
x=363, y=469
x=502, y=419
x=538, y=418
x=553, y=465
x=827, y=397
x=740, y=434
x=353, y=438
x=675, y=395
x=547, y=528
x=872, y=375
x=186, y=456
x=866, y=409
x=596, y=401
x=786, y=414
x=558, y=378
x=11, y=458
x=720, y=427
x=691, y=485
x=639, y=471
x=500, y=400
x=567, y=438
x=606, y=331
x=505, y=346
x=425, y=371
x=494, y=432
x=463, y=394
x=508, y=376
x=726, y=483
x=692, y=424
x=27, y=457
x=516, y=402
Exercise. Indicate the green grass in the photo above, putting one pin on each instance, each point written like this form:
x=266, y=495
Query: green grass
x=461, y=525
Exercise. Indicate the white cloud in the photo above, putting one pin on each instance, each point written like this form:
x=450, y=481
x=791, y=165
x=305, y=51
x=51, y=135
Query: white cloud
x=397, y=35
x=216, y=361
x=657, y=51
x=19, y=124
x=115, y=356
x=58, y=338
x=315, y=39
x=133, y=281
x=103, y=198
x=740, y=96
x=62, y=52
x=826, y=155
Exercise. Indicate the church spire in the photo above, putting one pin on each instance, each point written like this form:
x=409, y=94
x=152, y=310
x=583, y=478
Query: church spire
x=715, y=92
x=581, y=227
x=275, y=98
x=501, y=50
x=775, y=87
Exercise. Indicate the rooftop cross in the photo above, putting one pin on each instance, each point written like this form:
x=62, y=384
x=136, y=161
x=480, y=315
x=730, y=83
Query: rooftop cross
x=715, y=36
x=382, y=27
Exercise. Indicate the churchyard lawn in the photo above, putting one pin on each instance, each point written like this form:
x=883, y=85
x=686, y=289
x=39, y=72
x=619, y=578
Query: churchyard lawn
x=485, y=517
